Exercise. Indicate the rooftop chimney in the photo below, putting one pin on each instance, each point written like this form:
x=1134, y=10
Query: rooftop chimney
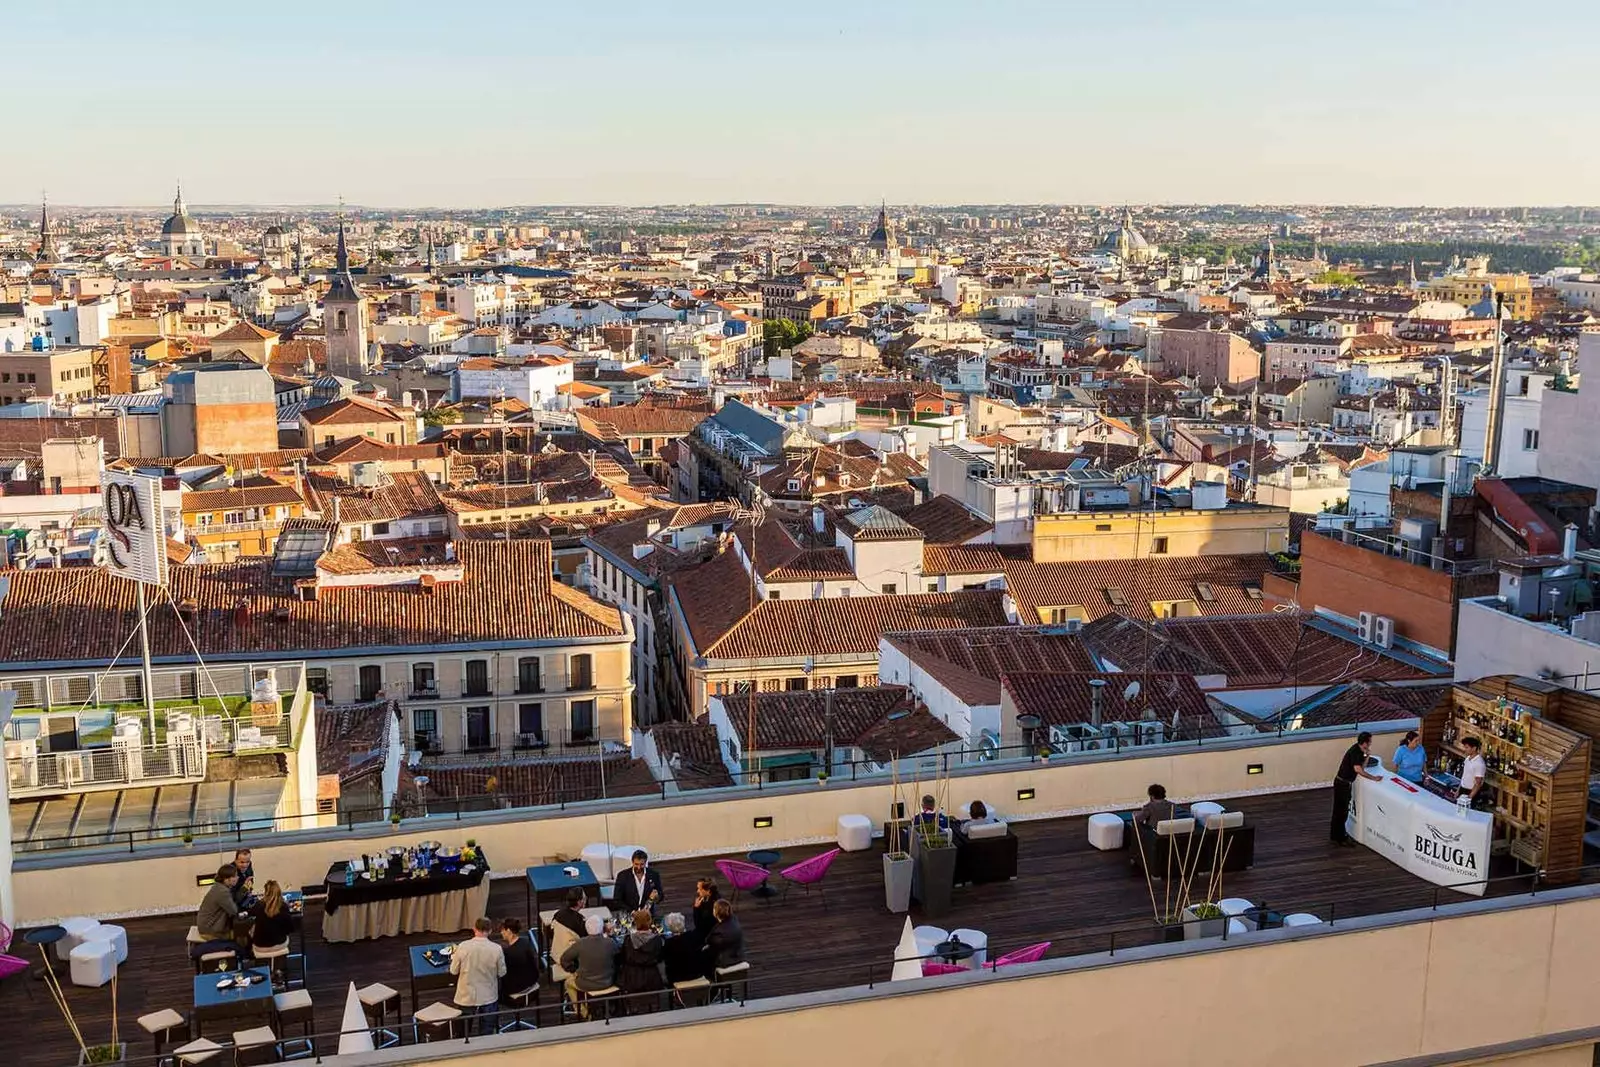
x=1569, y=541
x=1097, y=701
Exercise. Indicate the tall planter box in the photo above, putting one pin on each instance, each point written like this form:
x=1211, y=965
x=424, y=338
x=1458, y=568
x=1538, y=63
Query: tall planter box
x=933, y=872
x=1195, y=928
x=897, y=872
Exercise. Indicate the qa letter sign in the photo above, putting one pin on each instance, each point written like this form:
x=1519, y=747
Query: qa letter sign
x=135, y=540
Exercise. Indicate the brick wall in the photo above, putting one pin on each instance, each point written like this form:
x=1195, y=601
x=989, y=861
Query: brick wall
x=1348, y=579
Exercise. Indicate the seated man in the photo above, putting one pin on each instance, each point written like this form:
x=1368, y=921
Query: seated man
x=522, y=959
x=214, y=918
x=246, y=886
x=571, y=916
x=930, y=815
x=591, y=961
x=1157, y=809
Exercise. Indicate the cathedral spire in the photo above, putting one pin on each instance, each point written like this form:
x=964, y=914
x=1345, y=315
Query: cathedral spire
x=47, y=238
x=343, y=286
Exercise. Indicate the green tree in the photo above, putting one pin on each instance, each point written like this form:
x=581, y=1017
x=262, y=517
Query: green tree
x=780, y=334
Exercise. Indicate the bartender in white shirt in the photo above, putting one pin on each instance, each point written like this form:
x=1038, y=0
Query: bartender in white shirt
x=1473, y=771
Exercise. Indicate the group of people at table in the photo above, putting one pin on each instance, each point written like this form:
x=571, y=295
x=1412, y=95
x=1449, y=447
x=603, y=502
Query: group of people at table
x=233, y=917
x=633, y=956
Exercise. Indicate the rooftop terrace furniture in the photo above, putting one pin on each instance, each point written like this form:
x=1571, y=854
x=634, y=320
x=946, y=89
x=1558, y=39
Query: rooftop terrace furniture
x=741, y=875
x=1031, y=954
x=985, y=852
x=809, y=873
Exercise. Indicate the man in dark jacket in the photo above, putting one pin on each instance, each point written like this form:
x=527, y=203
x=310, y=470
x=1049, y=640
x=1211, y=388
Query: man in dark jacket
x=522, y=959
x=638, y=886
x=571, y=916
x=725, y=942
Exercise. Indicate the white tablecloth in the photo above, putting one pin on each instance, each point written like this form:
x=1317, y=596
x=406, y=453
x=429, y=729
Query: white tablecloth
x=1427, y=835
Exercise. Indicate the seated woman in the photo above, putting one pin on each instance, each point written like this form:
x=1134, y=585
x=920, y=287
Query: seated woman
x=639, y=968
x=680, y=953
x=273, y=922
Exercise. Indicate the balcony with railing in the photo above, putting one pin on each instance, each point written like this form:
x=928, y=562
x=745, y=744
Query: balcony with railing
x=542, y=743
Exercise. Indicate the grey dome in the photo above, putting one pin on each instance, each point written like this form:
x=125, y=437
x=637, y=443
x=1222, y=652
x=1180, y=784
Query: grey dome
x=179, y=224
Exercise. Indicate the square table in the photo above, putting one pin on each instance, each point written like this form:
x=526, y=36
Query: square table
x=425, y=976
x=254, y=1002
x=553, y=878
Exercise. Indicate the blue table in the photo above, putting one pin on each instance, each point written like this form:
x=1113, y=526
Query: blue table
x=553, y=878
x=426, y=975
x=253, y=1002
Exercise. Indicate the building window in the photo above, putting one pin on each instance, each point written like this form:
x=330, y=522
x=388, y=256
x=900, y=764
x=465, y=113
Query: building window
x=889, y=588
x=846, y=681
x=1530, y=440
x=317, y=680
x=582, y=720
x=379, y=529
x=423, y=680
x=528, y=675
x=530, y=724
x=1158, y=546
x=371, y=681
x=795, y=685
x=425, y=729
x=580, y=675
x=773, y=594
x=480, y=733
x=477, y=684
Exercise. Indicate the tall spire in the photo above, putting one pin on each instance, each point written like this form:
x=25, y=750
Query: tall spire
x=177, y=201
x=344, y=286
x=47, y=239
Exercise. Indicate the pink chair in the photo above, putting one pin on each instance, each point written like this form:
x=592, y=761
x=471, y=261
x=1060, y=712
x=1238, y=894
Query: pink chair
x=933, y=968
x=808, y=873
x=9, y=965
x=741, y=875
x=1031, y=954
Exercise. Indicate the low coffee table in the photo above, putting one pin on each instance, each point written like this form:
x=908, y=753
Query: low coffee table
x=764, y=858
x=44, y=937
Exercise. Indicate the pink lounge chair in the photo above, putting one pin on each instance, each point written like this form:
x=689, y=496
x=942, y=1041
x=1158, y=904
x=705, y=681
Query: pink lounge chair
x=741, y=875
x=10, y=965
x=1031, y=954
x=933, y=968
x=808, y=873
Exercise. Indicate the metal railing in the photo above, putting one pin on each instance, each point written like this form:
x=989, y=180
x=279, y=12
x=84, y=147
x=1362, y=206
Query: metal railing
x=552, y=741
x=116, y=767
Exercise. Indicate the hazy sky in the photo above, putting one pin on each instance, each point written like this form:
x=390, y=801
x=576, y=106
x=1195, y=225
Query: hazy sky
x=925, y=101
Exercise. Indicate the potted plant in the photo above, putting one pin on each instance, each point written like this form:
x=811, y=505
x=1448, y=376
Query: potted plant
x=1204, y=919
x=188, y=839
x=897, y=874
x=394, y=818
x=822, y=778
x=1181, y=916
x=113, y=1051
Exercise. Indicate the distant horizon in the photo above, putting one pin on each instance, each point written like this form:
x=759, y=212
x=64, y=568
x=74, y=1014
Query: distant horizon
x=1436, y=103
x=1110, y=205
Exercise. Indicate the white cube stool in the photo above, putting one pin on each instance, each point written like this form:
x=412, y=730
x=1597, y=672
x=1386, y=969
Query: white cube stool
x=598, y=857
x=1202, y=808
x=114, y=934
x=622, y=859
x=1301, y=918
x=75, y=927
x=1105, y=831
x=855, y=833
x=1239, y=926
x=93, y=963
x=927, y=937
x=1235, y=907
x=980, y=945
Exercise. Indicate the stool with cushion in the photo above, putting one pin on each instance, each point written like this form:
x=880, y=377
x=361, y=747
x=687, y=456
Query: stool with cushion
x=855, y=833
x=1200, y=810
x=93, y=963
x=598, y=857
x=436, y=1021
x=604, y=998
x=1235, y=908
x=294, y=1008
x=737, y=974
x=220, y=960
x=376, y=1001
x=271, y=954
x=693, y=993
x=114, y=934
x=196, y=937
x=197, y=1051
x=255, y=1046
x=519, y=1002
x=1105, y=831
x=163, y=1026
x=75, y=928
x=929, y=936
x=1301, y=918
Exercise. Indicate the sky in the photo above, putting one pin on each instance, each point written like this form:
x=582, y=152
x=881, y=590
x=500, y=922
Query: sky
x=489, y=103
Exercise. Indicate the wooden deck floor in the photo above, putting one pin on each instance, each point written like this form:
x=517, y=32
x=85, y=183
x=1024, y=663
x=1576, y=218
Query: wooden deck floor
x=1066, y=893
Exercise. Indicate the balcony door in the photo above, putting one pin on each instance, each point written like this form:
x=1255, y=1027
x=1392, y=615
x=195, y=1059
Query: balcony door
x=480, y=734
x=371, y=681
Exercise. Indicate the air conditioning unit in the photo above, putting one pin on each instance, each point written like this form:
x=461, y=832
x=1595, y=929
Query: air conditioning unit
x=988, y=746
x=74, y=766
x=22, y=763
x=1383, y=632
x=1150, y=733
x=1369, y=622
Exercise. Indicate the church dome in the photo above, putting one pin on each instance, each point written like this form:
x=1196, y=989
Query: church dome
x=179, y=225
x=274, y=231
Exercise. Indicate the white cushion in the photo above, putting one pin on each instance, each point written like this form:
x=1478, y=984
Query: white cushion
x=75, y=927
x=928, y=936
x=1105, y=831
x=598, y=856
x=93, y=963
x=375, y=994
x=1301, y=918
x=293, y=1000
x=979, y=830
x=114, y=934
x=1200, y=809
x=165, y=1019
x=1234, y=908
x=254, y=1037
x=855, y=833
x=438, y=1012
x=197, y=1051
x=1173, y=827
x=1240, y=926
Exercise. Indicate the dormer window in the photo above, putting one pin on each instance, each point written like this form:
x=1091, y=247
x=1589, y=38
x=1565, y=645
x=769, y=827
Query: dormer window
x=793, y=485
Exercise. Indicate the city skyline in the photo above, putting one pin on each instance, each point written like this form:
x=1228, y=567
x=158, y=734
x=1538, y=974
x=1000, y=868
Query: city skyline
x=916, y=104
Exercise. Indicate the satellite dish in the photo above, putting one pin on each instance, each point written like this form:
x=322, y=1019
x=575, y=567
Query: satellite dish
x=1132, y=691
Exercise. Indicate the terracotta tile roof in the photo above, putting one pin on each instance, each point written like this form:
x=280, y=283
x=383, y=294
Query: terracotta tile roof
x=365, y=449
x=824, y=472
x=1061, y=698
x=1094, y=585
x=405, y=494
x=543, y=781
x=877, y=523
x=73, y=615
x=698, y=752
x=969, y=559
x=799, y=720
x=248, y=493
x=1256, y=651
x=1365, y=702
x=970, y=663
x=812, y=565
x=351, y=410
x=943, y=520
x=895, y=735
x=243, y=331
x=727, y=629
x=350, y=737
x=616, y=423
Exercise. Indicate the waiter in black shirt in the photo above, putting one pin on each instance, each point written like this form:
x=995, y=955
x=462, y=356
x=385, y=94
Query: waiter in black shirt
x=1344, y=782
